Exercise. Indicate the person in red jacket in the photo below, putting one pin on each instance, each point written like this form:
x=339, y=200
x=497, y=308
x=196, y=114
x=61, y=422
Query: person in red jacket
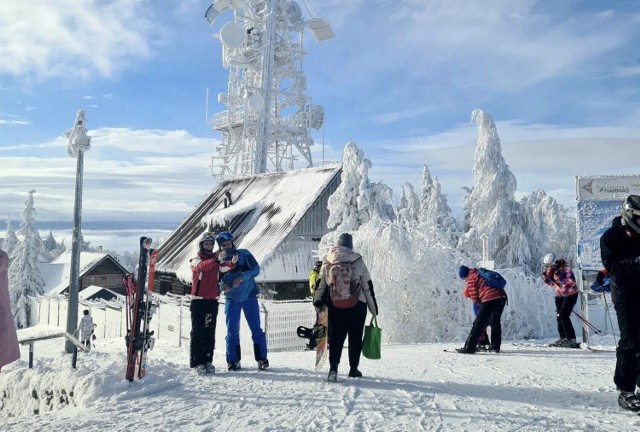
x=491, y=302
x=204, y=305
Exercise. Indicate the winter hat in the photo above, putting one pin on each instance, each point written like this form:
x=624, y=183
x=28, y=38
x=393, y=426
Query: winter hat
x=345, y=240
x=463, y=271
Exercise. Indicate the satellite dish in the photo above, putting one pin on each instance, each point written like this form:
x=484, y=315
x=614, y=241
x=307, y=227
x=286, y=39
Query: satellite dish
x=232, y=35
x=256, y=102
x=294, y=13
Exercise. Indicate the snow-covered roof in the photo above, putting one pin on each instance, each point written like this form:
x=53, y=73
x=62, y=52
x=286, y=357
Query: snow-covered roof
x=90, y=292
x=260, y=210
x=56, y=273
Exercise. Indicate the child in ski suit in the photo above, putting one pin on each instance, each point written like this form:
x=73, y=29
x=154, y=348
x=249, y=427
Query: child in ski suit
x=238, y=271
x=491, y=301
x=559, y=276
x=204, y=305
x=85, y=330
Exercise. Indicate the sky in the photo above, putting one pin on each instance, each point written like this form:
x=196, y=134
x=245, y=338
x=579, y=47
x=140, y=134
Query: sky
x=413, y=387
x=560, y=79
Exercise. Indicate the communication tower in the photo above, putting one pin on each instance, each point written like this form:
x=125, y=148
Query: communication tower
x=265, y=126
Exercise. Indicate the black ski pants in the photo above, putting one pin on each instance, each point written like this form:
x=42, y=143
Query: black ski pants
x=343, y=322
x=564, y=307
x=490, y=312
x=627, y=374
x=204, y=314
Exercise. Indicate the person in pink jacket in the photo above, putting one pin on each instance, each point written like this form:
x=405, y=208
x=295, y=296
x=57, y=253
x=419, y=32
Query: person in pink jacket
x=9, y=349
x=558, y=275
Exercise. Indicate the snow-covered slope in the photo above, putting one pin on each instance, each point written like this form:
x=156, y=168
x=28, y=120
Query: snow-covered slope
x=414, y=387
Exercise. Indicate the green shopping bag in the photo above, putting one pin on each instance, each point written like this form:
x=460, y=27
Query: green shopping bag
x=372, y=340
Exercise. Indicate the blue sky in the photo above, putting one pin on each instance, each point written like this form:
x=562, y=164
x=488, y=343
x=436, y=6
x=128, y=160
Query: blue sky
x=560, y=79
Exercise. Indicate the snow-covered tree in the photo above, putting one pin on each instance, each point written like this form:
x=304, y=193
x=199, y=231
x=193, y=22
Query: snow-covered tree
x=356, y=201
x=10, y=239
x=490, y=204
x=409, y=204
x=427, y=188
x=54, y=248
x=548, y=227
x=25, y=279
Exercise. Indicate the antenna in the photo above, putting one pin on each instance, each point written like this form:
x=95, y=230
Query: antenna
x=267, y=118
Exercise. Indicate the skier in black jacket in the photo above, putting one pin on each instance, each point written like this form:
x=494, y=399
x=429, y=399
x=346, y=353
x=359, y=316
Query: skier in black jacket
x=620, y=252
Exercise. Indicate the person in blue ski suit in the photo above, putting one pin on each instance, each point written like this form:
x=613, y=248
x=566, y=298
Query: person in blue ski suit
x=238, y=269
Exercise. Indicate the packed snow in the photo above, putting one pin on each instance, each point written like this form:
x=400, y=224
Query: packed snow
x=414, y=387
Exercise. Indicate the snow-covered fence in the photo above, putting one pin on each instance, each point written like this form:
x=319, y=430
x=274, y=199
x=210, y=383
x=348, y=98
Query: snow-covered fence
x=172, y=320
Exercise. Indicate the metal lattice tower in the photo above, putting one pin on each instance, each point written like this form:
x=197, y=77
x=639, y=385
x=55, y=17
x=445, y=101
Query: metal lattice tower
x=265, y=127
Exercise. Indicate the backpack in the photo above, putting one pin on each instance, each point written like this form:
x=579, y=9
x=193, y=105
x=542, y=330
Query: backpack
x=344, y=290
x=492, y=278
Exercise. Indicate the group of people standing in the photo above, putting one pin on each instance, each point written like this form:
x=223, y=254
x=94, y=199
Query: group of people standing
x=620, y=254
x=230, y=271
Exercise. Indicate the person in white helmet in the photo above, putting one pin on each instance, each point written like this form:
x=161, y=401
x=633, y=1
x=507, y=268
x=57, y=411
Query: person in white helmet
x=558, y=275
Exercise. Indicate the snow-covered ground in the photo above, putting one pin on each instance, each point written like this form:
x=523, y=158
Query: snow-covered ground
x=413, y=387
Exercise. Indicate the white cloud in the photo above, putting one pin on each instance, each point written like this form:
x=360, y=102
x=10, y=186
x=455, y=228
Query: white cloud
x=127, y=175
x=13, y=122
x=72, y=40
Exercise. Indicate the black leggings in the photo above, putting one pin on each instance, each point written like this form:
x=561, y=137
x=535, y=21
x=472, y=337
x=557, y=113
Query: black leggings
x=342, y=322
x=564, y=307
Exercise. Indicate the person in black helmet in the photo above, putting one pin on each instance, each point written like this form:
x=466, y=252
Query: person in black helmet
x=620, y=252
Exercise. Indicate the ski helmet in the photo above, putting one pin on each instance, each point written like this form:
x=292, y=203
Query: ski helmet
x=206, y=236
x=224, y=236
x=630, y=212
x=549, y=259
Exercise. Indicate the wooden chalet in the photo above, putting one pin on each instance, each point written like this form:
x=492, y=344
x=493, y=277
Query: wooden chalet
x=279, y=217
x=98, y=269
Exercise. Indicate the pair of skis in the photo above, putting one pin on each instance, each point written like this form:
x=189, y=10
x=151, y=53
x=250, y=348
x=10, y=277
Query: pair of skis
x=140, y=309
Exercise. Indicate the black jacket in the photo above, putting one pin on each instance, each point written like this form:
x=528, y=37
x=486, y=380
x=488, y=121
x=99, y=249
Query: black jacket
x=619, y=247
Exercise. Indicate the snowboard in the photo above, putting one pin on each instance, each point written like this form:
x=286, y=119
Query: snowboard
x=322, y=325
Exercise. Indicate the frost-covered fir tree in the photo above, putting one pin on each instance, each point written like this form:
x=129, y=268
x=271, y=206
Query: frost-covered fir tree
x=54, y=248
x=490, y=207
x=356, y=201
x=409, y=205
x=427, y=188
x=549, y=228
x=25, y=279
x=10, y=239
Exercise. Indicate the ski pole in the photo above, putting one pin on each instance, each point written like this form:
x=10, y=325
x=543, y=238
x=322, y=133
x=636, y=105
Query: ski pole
x=606, y=305
x=587, y=323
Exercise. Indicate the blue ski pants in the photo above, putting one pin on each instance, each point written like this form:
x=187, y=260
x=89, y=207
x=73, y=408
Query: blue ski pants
x=252, y=315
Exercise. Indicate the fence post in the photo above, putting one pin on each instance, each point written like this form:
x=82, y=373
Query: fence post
x=74, y=356
x=31, y=355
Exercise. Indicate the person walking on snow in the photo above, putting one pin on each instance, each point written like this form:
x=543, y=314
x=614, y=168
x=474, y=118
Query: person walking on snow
x=620, y=253
x=558, y=275
x=239, y=269
x=85, y=329
x=346, y=315
x=204, y=305
x=491, y=302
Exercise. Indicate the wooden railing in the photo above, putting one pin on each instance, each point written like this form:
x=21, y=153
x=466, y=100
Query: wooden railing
x=77, y=345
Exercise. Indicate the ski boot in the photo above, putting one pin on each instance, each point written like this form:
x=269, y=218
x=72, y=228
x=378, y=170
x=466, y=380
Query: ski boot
x=263, y=364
